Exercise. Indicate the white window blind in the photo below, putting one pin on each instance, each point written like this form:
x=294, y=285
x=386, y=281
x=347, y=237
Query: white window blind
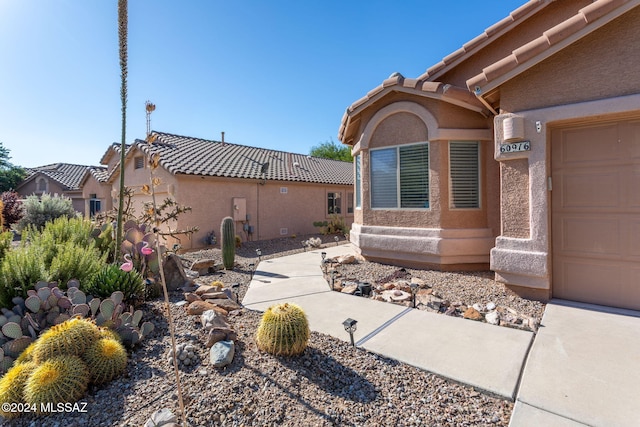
x=400, y=177
x=358, y=181
x=464, y=171
x=384, y=178
x=414, y=176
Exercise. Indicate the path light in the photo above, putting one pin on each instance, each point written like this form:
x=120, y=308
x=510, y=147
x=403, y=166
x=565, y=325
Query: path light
x=259, y=253
x=252, y=267
x=336, y=238
x=350, y=326
x=333, y=279
x=324, y=266
x=235, y=287
x=304, y=246
x=414, y=290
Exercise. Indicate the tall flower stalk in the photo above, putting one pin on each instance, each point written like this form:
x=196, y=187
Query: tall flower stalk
x=122, y=38
x=154, y=161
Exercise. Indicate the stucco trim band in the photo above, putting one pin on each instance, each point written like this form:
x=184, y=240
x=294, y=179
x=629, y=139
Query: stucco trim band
x=424, y=245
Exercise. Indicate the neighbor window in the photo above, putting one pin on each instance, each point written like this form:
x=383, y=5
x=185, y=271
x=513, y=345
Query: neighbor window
x=400, y=177
x=41, y=185
x=333, y=203
x=94, y=205
x=350, y=203
x=139, y=162
x=358, y=183
x=464, y=170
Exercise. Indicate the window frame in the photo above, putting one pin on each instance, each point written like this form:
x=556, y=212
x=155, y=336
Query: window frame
x=358, y=181
x=334, y=199
x=398, y=206
x=478, y=181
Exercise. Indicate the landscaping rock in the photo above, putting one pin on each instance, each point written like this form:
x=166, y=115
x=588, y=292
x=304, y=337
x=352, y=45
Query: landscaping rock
x=191, y=297
x=421, y=283
x=472, y=314
x=345, y=259
x=221, y=353
x=220, y=334
x=161, y=418
x=492, y=317
x=214, y=295
x=226, y=304
x=349, y=289
x=398, y=295
x=491, y=306
x=204, y=266
x=211, y=319
x=199, y=307
x=203, y=289
x=174, y=274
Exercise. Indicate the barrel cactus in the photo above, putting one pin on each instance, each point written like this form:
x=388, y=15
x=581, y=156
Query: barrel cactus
x=72, y=337
x=59, y=379
x=228, y=242
x=283, y=330
x=12, y=386
x=106, y=360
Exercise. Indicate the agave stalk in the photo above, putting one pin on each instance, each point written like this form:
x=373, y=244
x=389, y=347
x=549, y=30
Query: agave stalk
x=122, y=38
x=153, y=164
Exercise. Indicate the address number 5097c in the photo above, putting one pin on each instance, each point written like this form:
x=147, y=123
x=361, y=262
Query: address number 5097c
x=515, y=147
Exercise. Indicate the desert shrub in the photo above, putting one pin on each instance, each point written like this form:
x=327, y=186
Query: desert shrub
x=75, y=262
x=56, y=233
x=21, y=268
x=40, y=210
x=5, y=243
x=12, y=208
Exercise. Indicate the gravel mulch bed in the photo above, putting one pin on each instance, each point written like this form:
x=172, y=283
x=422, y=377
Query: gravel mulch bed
x=330, y=384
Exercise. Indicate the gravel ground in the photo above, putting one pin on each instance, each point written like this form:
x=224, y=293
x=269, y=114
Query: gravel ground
x=330, y=384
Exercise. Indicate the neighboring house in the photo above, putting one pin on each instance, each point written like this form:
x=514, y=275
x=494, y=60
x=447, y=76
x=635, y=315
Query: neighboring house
x=520, y=151
x=269, y=193
x=86, y=186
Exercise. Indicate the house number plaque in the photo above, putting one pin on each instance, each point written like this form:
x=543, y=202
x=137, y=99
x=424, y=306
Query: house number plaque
x=514, y=147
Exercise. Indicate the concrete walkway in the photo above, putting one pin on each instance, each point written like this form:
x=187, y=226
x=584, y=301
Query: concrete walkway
x=478, y=354
x=583, y=369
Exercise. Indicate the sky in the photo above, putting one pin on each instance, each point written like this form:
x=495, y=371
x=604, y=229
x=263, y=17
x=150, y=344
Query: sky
x=274, y=74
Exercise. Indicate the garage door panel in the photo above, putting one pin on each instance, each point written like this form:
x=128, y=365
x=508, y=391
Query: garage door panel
x=581, y=145
x=590, y=236
x=596, y=213
x=590, y=190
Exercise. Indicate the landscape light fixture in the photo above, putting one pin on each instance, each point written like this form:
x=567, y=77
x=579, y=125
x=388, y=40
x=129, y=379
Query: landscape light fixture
x=414, y=290
x=259, y=253
x=252, y=267
x=304, y=246
x=336, y=238
x=235, y=287
x=324, y=265
x=333, y=279
x=350, y=325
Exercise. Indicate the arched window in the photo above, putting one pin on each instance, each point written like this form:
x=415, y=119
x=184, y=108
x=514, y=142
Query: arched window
x=42, y=185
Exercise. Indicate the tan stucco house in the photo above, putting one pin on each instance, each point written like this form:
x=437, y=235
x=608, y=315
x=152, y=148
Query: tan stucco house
x=520, y=151
x=86, y=186
x=269, y=193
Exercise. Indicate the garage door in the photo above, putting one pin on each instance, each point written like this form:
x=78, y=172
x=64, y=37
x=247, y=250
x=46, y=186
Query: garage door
x=596, y=213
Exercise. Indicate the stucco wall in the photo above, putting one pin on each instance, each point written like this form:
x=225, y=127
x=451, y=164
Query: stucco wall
x=102, y=192
x=515, y=198
x=30, y=188
x=600, y=65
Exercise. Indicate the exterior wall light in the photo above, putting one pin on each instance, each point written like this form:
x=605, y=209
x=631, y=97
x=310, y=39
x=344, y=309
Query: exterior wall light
x=414, y=291
x=350, y=325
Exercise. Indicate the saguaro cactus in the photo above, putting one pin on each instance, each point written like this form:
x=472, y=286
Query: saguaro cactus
x=228, y=242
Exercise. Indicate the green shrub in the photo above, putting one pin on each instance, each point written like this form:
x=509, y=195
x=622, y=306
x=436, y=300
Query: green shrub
x=5, y=243
x=75, y=262
x=21, y=268
x=40, y=210
x=111, y=279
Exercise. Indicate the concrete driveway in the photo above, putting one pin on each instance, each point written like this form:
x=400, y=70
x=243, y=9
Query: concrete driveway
x=583, y=369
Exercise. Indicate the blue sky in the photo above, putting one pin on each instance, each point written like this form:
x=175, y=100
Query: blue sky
x=275, y=74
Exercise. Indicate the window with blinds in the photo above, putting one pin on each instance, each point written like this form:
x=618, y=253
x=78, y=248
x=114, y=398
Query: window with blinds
x=400, y=177
x=464, y=170
x=358, y=182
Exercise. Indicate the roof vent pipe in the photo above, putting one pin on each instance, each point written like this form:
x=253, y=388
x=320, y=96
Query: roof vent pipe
x=222, y=133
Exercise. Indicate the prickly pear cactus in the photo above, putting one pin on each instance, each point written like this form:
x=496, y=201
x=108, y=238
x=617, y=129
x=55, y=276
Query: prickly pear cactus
x=283, y=330
x=228, y=242
x=56, y=380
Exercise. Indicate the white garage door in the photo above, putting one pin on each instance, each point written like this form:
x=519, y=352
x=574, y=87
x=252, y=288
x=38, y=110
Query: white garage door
x=596, y=213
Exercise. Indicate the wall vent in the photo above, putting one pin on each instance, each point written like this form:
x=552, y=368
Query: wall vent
x=284, y=190
x=284, y=231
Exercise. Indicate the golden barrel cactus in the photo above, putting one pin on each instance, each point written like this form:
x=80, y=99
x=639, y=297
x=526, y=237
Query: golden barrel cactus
x=106, y=360
x=283, y=330
x=60, y=379
x=12, y=386
x=72, y=337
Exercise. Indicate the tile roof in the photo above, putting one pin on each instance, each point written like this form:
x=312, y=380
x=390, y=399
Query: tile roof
x=553, y=39
x=195, y=156
x=69, y=176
